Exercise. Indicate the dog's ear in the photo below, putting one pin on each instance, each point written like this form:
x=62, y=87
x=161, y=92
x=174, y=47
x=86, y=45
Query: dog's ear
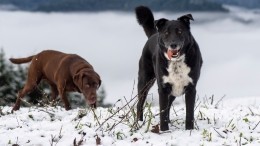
x=186, y=19
x=100, y=83
x=159, y=24
x=78, y=80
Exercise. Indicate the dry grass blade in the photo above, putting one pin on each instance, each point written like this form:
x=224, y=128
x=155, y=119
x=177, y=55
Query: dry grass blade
x=77, y=144
x=95, y=116
x=127, y=104
x=219, y=133
x=256, y=125
x=216, y=105
x=80, y=141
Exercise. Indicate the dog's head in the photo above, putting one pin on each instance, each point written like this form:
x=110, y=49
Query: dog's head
x=88, y=81
x=174, y=35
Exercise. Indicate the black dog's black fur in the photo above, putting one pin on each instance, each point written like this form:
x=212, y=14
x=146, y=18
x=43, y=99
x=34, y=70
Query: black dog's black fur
x=154, y=64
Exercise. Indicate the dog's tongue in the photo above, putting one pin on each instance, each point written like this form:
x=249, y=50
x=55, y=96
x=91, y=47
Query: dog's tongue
x=172, y=53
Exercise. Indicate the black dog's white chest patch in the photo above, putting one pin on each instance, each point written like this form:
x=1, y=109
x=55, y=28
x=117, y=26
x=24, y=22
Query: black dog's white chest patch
x=178, y=76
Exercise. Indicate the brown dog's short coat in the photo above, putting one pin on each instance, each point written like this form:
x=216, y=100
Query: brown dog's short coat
x=63, y=72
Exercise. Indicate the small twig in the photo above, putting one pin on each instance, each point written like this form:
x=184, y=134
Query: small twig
x=252, y=113
x=60, y=131
x=133, y=112
x=196, y=125
x=133, y=90
x=53, y=138
x=229, y=123
x=174, y=110
x=113, y=115
x=216, y=105
x=240, y=137
x=219, y=133
x=127, y=104
x=16, y=140
x=28, y=104
x=51, y=114
x=212, y=99
x=17, y=121
x=206, y=100
x=119, y=121
x=78, y=123
x=256, y=125
x=95, y=116
x=150, y=116
x=197, y=106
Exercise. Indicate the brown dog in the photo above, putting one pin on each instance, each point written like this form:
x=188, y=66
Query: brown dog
x=63, y=72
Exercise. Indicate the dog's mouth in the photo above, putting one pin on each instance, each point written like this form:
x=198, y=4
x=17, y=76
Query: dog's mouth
x=173, y=53
x=91, y=102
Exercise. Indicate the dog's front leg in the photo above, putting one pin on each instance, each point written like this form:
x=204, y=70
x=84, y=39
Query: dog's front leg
x=190, y=96
x=164, y=113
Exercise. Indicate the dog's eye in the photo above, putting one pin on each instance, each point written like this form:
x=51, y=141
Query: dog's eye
x=166, y=32
x=179, y=31
x=95, y=85
x=87, y=85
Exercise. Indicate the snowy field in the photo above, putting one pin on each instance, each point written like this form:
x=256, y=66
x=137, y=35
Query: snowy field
x=227, y=122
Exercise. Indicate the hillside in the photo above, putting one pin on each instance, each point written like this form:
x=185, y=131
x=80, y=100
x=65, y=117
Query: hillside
x=217, y=121
x=241, y=3
x=117, y=5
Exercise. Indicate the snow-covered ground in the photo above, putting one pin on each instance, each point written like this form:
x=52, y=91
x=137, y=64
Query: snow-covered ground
x=219, y=121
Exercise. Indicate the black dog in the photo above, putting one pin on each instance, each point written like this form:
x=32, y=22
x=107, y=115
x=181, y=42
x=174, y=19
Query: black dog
x=172, y=57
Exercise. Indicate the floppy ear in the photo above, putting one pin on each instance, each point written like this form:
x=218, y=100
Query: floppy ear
x=100, y=83
x=77, y=79
x=159, y=24
x=186, y=19
x=99, y=80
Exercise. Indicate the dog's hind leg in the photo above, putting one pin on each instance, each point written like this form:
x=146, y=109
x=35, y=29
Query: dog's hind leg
x=33, y=80
x=26, y=89
x=54, y=92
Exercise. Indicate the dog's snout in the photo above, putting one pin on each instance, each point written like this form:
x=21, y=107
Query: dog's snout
x=92, y=97
x=173, y=46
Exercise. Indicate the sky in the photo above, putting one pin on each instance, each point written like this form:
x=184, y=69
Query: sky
x=112, y=42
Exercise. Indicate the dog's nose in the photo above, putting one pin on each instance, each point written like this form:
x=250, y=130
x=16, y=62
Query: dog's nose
x=92, y=97
x=173, y=46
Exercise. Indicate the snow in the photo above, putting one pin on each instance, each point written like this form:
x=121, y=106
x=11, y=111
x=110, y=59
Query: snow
x=219, y=121
x=229, y=45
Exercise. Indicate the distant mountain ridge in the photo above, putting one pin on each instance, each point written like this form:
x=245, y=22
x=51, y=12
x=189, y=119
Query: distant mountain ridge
x=240, y=3
x=117, y=5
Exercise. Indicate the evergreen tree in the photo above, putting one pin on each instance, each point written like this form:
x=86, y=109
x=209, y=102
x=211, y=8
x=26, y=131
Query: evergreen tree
x=101, y=97
x=8, y=85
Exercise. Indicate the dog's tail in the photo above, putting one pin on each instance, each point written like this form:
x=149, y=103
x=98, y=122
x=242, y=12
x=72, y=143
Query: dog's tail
x=21, y=60
x=145, y=18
